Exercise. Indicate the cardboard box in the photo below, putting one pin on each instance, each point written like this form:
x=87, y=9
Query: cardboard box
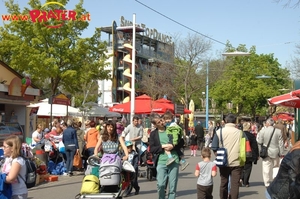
x=52, y=178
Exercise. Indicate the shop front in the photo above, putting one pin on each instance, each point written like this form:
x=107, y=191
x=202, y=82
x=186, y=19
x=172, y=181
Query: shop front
x=16, y=92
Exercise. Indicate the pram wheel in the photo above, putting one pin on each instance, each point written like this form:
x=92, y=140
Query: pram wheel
x=127, y=190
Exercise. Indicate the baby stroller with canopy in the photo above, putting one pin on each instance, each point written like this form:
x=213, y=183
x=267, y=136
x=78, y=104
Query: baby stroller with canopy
x=114, y=177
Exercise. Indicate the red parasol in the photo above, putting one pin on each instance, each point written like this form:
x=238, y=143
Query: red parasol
x=162, y=105
x=283, y=116
x=291, y=99
x=143, y=105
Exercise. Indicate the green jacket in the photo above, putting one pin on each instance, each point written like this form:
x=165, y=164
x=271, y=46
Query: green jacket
x=176, y=132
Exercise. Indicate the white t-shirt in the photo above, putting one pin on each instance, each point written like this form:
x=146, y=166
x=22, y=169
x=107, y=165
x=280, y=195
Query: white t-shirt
x=35, y=134
x=18, y=187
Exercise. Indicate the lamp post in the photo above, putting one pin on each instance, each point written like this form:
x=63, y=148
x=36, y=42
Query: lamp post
x=206, y=107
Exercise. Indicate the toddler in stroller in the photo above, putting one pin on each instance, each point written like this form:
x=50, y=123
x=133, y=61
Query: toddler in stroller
x=151, y=167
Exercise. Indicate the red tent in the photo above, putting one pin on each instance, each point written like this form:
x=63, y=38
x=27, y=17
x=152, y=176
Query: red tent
x=291, y=99
x=143, y=105
x=283, y=116
x=162, y=105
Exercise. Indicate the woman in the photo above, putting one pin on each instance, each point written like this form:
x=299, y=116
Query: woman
x=91, y=138
x=246, y=172
x=287, y=182
x=80, y=137
x=71, y=146
x=109, y=141
x=158, y=142
x=15, y=167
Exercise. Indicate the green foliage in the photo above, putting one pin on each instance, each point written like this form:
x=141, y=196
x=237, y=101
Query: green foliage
x=57, y=59
x=239, y=83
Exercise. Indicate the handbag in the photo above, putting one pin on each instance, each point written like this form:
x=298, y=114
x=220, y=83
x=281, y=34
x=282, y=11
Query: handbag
x=245, y=149
x=77, y=161
x=221, y=154
x=264, y=149
x=61, y=147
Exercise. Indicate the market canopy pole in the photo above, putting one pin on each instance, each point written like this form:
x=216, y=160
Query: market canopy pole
x=132, y=94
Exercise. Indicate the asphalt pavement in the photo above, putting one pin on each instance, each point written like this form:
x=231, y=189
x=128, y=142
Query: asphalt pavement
x=68, y=187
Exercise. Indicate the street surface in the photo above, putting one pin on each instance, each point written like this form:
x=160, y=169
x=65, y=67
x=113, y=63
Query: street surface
x=68, y=187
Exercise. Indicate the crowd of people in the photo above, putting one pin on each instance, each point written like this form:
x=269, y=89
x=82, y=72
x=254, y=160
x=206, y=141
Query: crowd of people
x=165, y=141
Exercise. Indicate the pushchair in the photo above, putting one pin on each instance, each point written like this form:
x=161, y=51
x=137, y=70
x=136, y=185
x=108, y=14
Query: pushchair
x=118, y=189
x=151, y=167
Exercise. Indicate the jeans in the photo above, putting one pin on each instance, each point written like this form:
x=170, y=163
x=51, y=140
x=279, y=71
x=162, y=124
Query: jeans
x=70, y=152
x=165, y=172
x=268, y=195
x=235, y=175
x=22, y=196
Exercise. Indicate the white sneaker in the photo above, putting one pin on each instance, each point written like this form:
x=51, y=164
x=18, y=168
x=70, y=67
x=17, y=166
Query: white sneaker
x=65, y=174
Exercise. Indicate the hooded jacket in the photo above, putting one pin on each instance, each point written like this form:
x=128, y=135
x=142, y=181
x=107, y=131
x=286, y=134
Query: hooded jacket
x=287, y=182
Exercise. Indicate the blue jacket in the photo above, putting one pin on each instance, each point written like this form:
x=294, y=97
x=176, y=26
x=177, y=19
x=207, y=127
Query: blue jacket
x=70, y=137
x=5, y=188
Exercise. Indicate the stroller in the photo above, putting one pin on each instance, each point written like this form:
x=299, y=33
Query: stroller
x=151, y=167
x=116, y=185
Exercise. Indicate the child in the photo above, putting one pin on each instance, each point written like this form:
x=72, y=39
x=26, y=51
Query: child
x=205, y=170
x=133, y=158
x=193, y=143
x=175, y=134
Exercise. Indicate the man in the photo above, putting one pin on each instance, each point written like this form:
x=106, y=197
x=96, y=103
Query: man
x=199, y=131
x=134, y=133
x=275, y=149
x=231, y=141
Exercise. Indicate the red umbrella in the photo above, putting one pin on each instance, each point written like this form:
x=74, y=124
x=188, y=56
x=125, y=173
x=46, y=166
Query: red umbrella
x=162, y=105
x=283, y=116
x=291, y=99
x=143, y=105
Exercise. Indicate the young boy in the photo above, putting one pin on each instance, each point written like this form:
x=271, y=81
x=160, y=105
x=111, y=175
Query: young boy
x=205, y=170
x=175, y=134
x=133, y=158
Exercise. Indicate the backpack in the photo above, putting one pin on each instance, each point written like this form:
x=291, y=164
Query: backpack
x=90, y=185
x=30, y=175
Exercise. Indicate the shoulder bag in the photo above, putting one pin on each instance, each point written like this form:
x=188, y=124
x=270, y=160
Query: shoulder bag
x=264, y=149
x=221, y=154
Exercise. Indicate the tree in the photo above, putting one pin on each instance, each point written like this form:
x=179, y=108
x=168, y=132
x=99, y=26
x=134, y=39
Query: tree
x=240, y=86
x=189, y=58
x=289, y=3
x=57, y=59
x=157, y=80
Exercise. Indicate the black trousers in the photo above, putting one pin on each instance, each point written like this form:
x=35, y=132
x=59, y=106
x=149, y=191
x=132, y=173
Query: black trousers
x=204, y=192
x=200, y=143
x=235, y=176
x=246, y=172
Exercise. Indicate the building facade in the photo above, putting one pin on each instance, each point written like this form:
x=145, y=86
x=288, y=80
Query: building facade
x=151, y=46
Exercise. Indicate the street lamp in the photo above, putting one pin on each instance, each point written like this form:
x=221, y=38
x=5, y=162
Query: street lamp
x=227, y=54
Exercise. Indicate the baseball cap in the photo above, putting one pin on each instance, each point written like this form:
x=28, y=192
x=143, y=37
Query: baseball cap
x=128, y=143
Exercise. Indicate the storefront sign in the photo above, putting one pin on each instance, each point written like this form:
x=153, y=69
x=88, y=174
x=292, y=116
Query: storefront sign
x=149, y=32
